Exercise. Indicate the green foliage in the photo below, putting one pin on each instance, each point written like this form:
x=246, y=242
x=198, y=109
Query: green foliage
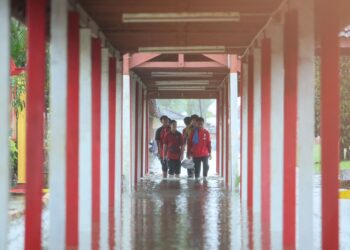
x=344, y=64
x=18, y=87
x=13, y=155
x=18, y=43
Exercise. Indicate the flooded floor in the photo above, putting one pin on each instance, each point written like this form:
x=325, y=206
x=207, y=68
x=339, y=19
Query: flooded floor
x=187, y=214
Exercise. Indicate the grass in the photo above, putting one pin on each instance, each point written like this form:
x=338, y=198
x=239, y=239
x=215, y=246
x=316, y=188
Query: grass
x=317, y=160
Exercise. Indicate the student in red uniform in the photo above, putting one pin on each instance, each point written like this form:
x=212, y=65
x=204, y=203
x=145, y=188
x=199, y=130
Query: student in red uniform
x=186, y=134
x=173, y=150
x=160, y=135
x=199, y=146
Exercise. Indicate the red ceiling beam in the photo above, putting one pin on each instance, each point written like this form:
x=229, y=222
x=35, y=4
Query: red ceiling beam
x=219, y=58
x=186, y=65
x=182, y=94
x=140, y=58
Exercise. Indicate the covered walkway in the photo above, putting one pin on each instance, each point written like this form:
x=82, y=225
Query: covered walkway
x=107, y=59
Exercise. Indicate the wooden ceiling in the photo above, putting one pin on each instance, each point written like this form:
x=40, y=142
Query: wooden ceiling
x=128, y=37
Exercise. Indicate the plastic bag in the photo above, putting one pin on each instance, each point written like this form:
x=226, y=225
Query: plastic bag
x=187, y=163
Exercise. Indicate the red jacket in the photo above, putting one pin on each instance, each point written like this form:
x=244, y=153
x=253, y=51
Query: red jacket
x=203, y=148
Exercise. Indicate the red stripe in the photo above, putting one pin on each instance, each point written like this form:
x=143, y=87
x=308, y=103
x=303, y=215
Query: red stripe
x=136, y=117
x=266, y=141
x=250, y=128
x=142, y=134
x=36, y=17
x=96, y=140
x=112, y=123
x=330, y=105
x=223, y=133
x=290, y=127
x=72, y=131
x=241, y=132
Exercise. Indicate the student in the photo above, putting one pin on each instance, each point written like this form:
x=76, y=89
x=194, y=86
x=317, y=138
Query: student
x=199, y=146
x=186, y=133
x=173, y=150
x=160, y=135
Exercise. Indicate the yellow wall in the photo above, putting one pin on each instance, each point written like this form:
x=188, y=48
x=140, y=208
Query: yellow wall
x=21, y=137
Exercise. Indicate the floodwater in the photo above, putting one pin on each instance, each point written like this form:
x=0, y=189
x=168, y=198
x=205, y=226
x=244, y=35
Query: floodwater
x=187, y=214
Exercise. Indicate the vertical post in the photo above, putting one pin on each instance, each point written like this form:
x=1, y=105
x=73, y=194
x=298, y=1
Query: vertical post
x=227, y=135
x=234, y=123
x=119, y=132
x=96, y=139
x=244, y=131
x=147, y=131
x=290, y=127
x=250, y=138
x=306, y=122
x=277, y=91
x=112, y=148
x=218, y=129
x=257, y=137
x=330, y=116
x=223, y=124
x=5, y=118
x=72, y=145
x=133, y=130
x=136, y=138
x=126, y=124
x=266, y=140
x=36, y=18
x=104, y=150
x=257, y=147
x=143, y=136
x=58, y=108
x=85, y=141
x=139, y=128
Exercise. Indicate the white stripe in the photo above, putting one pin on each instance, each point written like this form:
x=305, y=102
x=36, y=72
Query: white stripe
x=104, y=148
x=118, y=156
x=145, y=143
x=126, y=134
x=58, y=118
x=218, y=143
x=224, y=134
x=85, y=141
x=257, y=149
x=5, y=118
x=234, y=128
x=139, y=125
x=133, y=130
x=277, y=97
x=306, y=117
x=244, y=184
x=118, y=133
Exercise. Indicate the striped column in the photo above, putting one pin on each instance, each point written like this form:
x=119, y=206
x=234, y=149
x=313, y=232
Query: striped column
x=306, y=122
x=234, y=122
x=85, y=142
x=290, y=127
x=72, y=147
x=218, y=133
x=133, y=140
x=104, y=150
x=5, y=118
x=257, y=148
x=137, y=131
x=112, y=148
x=119, y=133
x=244, y=131
x=266, y=139
x=224, y=131
x=96, y=139
x=277, y=121
x=36, y=20
x=144, y=147
x=139, y=128
x=250, y=136
x=257, y=137
x=147, y=133
x=330, y=120
x=58, y=114
x=227, y=134
x=126, y=125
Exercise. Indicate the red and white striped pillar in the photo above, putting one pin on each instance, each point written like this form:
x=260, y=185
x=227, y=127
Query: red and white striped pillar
x=275, y=31
x=72, y=147
x=147, y=133
x=330, y=120
x=112, y=95
x=290, y=128
x=306, y=122
x=85, y=141
x=218, y=133
x=5, y=118
x=266, y=141
x=244, y=132
x=58, y=122
x=250, y=131
x=119, y=132
x=136, y=103
x=36, y=21
x=104, y=150
x=126, y=126
x=96, y=139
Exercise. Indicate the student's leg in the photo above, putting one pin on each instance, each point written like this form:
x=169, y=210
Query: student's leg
x=197, y=166
x=164, y=168
x=171, y=165
x=205, y=165
x=177, y=168
x=190, y=172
